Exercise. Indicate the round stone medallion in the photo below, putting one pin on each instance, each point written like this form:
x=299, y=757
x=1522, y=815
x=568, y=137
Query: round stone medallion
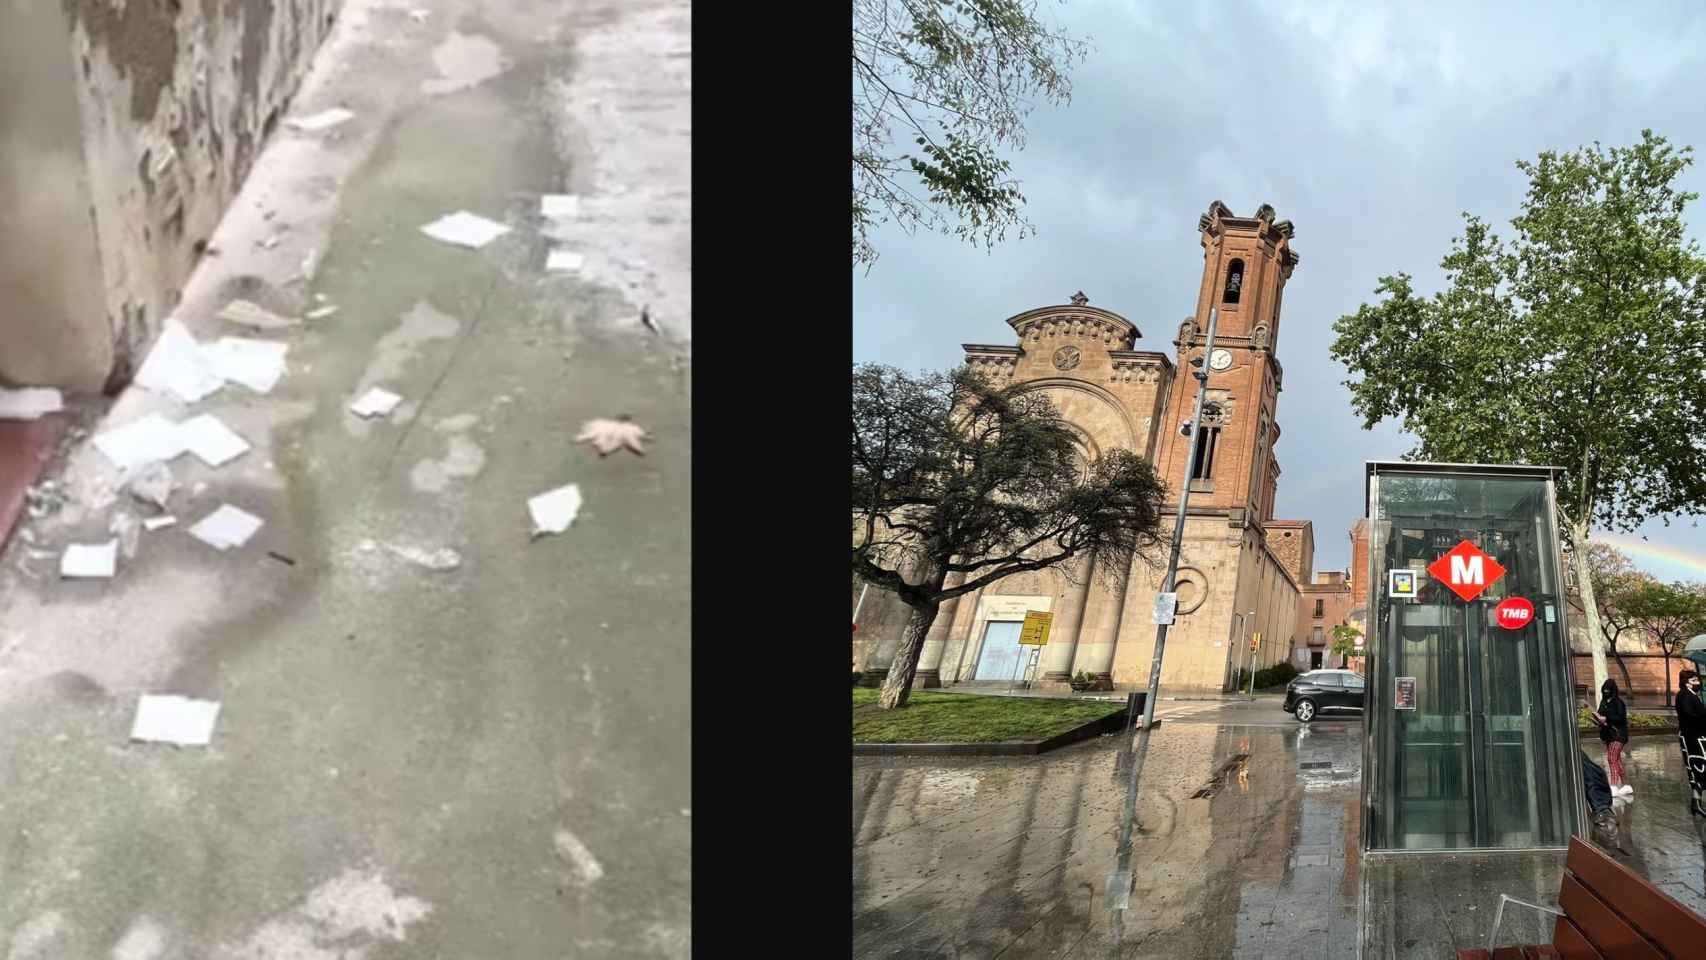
x=1066, y=358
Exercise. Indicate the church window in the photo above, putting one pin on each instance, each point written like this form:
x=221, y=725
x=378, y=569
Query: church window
x=1234, y=281
x=1203, y=468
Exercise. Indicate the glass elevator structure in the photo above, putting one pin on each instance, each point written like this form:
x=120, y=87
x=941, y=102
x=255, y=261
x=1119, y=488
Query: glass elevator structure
x=1470, y=724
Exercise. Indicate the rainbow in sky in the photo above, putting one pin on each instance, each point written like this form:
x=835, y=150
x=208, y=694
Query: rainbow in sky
x=1661, y=560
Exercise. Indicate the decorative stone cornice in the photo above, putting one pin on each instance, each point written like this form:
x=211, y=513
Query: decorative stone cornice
x=1138, y=366
x=1075, y=322
x=995, y=362
x=1219, y=217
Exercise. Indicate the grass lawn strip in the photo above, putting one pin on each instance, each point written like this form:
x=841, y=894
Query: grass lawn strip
x=968, y=718
x=1638, y=722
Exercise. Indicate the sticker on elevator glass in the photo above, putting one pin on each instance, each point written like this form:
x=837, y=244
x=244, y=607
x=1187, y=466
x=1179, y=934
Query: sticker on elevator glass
x=1401, y=584
x=1466, y=570
x=1551, y=614
x=1404, y=693
x=1035, y=631
x=1166, y=605
x=1513, y=613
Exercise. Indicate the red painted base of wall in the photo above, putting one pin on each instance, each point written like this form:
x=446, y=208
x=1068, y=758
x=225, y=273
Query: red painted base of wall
x=25, y=448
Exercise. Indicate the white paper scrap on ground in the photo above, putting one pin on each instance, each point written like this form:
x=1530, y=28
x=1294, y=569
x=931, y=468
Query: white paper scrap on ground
x=321, y=313
x=256, y=364
x=176, y=366
x=152, y=438
x=99, y=560
x=465, y=229
x=226, y=527
x=559, y=206
x=174, y=719
x=565, y=261
x=443, y=558
x=159, y=523
x=29, y=403
x=553, y=511
x=211, y=440
x=248, y=314
x=376, y=402
x=324, y=120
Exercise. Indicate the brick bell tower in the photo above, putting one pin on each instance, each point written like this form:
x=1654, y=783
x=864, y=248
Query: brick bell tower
x=1246, y=263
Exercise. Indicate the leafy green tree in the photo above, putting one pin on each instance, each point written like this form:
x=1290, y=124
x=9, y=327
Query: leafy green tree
x=1671, y=613
x=955, y=79
x=1614, y=580
x=1344, y=644
x=1577, y=344
x=958, y=483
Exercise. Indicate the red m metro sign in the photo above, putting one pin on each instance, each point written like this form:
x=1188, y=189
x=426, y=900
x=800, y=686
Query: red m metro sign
x=1467, y=570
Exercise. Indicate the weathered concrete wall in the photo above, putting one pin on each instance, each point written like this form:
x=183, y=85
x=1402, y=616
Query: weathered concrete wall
x=173, y=100
x=50, y=306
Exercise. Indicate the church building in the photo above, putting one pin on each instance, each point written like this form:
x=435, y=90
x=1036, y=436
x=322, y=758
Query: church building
x=1240, y=569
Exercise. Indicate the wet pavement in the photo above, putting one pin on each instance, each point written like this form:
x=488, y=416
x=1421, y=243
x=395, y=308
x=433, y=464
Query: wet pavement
x=1246, y=846
x=409, y=761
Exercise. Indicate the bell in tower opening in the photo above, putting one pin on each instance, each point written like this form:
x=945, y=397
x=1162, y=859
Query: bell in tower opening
x=1234, y=281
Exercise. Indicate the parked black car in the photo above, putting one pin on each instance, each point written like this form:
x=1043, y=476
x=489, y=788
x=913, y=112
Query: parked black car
x=1324, y=691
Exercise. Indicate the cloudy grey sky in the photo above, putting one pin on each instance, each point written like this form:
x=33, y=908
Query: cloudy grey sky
x=1370, y=126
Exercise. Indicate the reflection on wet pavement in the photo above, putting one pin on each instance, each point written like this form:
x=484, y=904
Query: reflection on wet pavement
x=1013, y=856
x=1246, y=846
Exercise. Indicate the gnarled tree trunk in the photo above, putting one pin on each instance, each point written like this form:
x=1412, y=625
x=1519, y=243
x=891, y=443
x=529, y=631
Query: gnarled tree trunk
x=897, y=685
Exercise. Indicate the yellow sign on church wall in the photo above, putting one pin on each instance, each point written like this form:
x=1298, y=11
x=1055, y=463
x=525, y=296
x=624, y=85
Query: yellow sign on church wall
x=1035, y=631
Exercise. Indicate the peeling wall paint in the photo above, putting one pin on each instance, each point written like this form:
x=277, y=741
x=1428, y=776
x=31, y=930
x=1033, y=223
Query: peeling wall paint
x=173, y=99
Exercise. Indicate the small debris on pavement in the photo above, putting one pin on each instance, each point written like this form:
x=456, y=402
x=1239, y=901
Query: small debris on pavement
x=321, y=313
x=608, y=436
x=248, y=314
x=226, y=527
x=174, y=719
x=376, y=402
x=465, y=229
x=281, y=558
x=324, y=120
x=151, y=438
x=44, y=499
x=150, y=483
x=176, y=366
x=128, y=531
x=159, y=523
x=441, y=559
x=559, y=206
x=211, y=440
x=564, y=261
x=647, y=321
x=256, y=364
x=269, y=242
x=29, y=403
x=554, y=510
x=419, y=16
x=89, y=560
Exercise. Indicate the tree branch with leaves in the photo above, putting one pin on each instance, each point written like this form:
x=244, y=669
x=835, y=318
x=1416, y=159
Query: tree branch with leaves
x=1578, y=344
x=958, y=483
x=954, y=79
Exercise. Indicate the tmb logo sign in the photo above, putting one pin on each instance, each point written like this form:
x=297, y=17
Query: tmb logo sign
x=1466, y=570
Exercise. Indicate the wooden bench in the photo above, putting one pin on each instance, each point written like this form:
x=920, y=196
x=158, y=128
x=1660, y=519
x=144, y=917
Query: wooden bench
x=1611, y=912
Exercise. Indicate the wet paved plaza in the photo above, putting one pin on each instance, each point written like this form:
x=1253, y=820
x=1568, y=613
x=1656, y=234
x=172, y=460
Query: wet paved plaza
x=1246, y=846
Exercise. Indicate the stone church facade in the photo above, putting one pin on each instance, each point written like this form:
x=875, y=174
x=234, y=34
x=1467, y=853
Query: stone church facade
x=1240, y=569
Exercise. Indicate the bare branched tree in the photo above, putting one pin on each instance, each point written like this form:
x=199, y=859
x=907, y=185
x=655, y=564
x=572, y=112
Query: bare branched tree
x=957, y=478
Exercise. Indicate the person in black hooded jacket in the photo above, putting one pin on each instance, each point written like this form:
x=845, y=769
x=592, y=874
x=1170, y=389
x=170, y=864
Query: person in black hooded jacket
x=1691, y=730
x=1613, y=719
